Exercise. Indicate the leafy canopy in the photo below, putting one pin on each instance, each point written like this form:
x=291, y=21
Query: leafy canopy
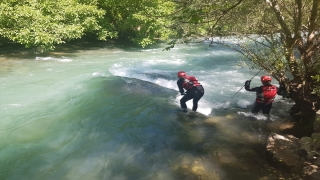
x=44, y=23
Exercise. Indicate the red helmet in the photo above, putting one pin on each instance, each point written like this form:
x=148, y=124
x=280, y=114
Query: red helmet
x=181, y=74
x=265, y=79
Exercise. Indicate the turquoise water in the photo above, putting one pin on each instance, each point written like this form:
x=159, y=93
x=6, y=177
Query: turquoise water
x=109, y=111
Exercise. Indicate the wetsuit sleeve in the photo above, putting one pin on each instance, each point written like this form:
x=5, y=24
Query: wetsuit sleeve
x=255, y=89
x=179, y=83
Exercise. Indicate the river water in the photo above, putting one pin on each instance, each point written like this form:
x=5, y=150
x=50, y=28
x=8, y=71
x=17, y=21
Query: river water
x=111, y=111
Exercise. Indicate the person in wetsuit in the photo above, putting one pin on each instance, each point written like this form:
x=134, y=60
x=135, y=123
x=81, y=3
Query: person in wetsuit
x=265, y=94
x=194, y=90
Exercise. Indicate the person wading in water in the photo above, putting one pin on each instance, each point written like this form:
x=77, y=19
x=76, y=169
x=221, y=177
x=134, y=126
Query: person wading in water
x=194, y=90
x=265, y=95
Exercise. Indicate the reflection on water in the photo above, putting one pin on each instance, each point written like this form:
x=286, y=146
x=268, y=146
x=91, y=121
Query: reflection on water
x=112, y=112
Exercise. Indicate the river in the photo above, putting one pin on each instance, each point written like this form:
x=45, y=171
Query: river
x=111, y=111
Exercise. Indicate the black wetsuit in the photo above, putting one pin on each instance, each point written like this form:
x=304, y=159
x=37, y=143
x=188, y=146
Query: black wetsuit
x=195, y=93
x=258, y=105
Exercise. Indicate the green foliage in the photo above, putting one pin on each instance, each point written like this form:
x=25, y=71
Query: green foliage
x=264, y=52
x=195, y=19
x=316, y=89
x=46, y=23
x=142, y=22
x=316, y=78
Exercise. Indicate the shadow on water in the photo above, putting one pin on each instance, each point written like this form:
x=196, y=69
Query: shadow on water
x=145, y=137
x=123, y=128
x=234, y=146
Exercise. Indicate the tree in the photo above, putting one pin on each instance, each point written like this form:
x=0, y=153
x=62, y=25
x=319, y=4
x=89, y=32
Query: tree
x=47, y=23
x=290, y=52
x=138, y=21
x=41, y=23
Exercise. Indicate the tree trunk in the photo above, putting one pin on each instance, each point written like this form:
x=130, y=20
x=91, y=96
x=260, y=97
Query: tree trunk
x=304, y=110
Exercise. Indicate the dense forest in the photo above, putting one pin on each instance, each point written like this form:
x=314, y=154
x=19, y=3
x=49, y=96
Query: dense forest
x=286, y=41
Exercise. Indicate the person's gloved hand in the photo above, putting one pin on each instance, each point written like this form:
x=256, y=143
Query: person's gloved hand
x=282, y=87
x=247, y=83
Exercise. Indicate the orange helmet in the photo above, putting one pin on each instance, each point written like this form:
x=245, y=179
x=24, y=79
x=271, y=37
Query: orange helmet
x=265, y=79
x=181, y=74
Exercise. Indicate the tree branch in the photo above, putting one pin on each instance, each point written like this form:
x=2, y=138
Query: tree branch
x=275, y=7
x=224, y=12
